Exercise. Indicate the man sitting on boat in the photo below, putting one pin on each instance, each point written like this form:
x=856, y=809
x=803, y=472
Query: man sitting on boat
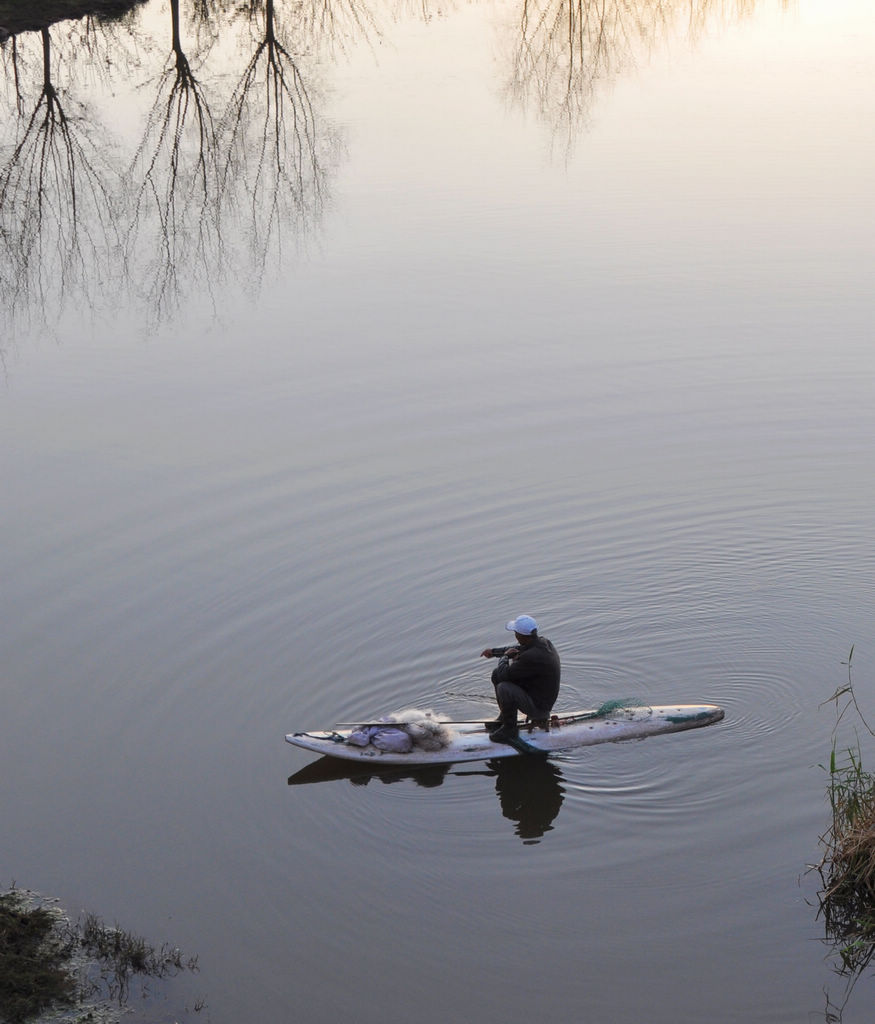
x=526, y=678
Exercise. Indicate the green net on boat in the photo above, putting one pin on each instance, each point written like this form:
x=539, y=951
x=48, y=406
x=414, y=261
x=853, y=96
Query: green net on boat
x=611, y=706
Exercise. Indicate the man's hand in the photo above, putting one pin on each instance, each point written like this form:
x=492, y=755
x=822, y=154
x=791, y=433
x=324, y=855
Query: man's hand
x=508, y=652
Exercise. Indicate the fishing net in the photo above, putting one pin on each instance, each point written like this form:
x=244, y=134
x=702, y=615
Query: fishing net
x=611, y=707
x=401, y=732
x=426, y=730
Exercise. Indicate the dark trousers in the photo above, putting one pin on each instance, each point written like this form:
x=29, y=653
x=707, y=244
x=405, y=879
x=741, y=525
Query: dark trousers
x=511, y=699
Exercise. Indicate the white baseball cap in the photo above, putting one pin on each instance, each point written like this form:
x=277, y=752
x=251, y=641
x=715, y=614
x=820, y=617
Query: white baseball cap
x=525, y=625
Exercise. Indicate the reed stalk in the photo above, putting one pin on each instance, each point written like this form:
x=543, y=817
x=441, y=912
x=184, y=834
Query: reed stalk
x=847, y=868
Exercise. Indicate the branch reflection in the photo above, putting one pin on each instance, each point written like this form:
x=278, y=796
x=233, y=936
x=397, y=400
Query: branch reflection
x=255, y=172
x=57, y=223
x=177, y=192
x=224, y=177
x=274, y=149
x=565, y=51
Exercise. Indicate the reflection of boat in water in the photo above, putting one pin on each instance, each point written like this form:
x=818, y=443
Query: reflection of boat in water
x=529, y=790
x=331, y=769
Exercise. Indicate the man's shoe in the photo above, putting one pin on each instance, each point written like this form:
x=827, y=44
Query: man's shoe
x=492, y=726
x=504, y=735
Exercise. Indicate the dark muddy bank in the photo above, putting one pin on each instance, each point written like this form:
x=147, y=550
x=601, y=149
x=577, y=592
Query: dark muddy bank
x=31, y=17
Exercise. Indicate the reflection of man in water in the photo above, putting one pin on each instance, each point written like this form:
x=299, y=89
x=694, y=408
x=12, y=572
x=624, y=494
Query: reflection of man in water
x=530, y=793
x=526, y=678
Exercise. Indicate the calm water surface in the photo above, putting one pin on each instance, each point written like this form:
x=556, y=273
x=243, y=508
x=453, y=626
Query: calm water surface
x=435, y=315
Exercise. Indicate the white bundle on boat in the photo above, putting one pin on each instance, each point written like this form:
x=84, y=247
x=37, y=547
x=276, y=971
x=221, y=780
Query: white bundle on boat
x=426, y=730
x=401, y=732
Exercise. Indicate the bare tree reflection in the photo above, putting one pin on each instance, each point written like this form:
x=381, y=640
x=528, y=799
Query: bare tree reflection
x=275, y=152
x=565, y=51
x=263, y=161
x=99, y=47
x=565, y=48
x=175, y=226
x=207, y=21
x=56, y=211
x=10, y=60
x=336, y=24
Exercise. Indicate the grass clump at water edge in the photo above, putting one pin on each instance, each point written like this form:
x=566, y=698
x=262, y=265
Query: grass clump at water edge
x=35, y=954
x=847, y=868
x=80, y=970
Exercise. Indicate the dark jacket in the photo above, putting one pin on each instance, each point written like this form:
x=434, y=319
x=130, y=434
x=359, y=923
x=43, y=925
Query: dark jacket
x=535, y=670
